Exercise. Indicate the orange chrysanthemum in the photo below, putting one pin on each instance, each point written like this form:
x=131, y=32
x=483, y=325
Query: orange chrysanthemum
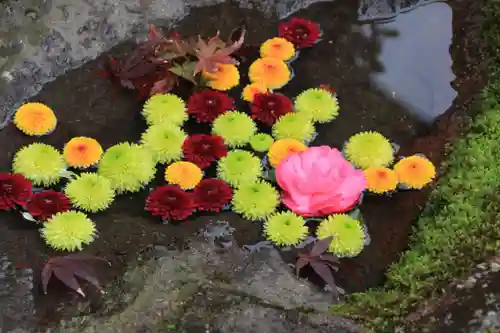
x=278, y=48
x=280, y=149
x=185, y=174
x=271, y=72
x=35, y=119
x=415, y=171
x=381, y=180
x=225, y=78
x=82, y=152
x=251, y=90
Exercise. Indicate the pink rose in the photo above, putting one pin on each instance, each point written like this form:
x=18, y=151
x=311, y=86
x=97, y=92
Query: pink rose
x=319, y=181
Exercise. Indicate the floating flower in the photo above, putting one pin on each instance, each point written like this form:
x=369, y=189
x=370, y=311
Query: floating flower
x=185, y=174
x=283, y=148
x=207, y=105
x=348, y=235
x=40, y=163
x=319, y=181
x=15, y=189
x=35, y=119
x=261, y=142
x=294, y=126
x=164, y=141
x=381, y=180
x=170, y=202
x=69, y=231
x=321, y=105
x=286, y=229
x=267, y=108
x=251, y=90
x=128, y=166
x=239, y=167
x=300, y=32
x=255, y=201
x=165, y=108
x=212, y=195
x=82, y=152
x=269, y=72
x=369, y=150
x=225, y=78
x=415, y=171
x=90, y=192
x=236, y=128
x=45, y=204
x=278, y=48
x=203, y=149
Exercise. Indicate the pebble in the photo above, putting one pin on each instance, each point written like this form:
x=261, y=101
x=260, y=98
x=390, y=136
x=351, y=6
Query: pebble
x=471, y=282
x=495, y=267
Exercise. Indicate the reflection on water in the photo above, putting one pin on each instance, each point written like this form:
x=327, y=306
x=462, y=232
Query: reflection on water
x=416, y=62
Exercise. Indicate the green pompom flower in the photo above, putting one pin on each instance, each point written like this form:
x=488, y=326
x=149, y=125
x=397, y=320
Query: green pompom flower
x=319, y=104
x=164, y=141
x=369, y=150
x=236, y=128
x=165, y=108
x=90, y=192
x=68, y=231
x=348, y=235
x=255, y=201
x=42, y=164
x=261, y=142
x=128, y=166
x=239, y=167
x=286, y=229
x=294, y=126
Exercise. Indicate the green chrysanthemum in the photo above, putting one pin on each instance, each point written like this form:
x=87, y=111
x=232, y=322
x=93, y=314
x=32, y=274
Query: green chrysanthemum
x=255, y=201
x=239, y=167
x=319, y=104
x=348, y=235
x=68, y=231
x=165, y=108
x=40, y=163
x=90, y=192
x=369, y=150
x=128, y=166
x=236, y=128
x=164, y=141
x=261, y=142
x=286, y=229
x=294, y=126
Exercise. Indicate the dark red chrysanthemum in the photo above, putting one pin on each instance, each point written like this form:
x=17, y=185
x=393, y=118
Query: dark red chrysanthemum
x=269, y=107
x=300, y=32
x=212, y=195
x=44, y=204
x=203, y=149
x=15, y=189
x=170, y=202
x=207, y=105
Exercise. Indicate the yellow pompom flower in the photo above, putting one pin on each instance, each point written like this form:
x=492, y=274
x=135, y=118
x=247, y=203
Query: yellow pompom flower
x=40, y=163
x=415, y=171
x=68, y=231
x=348, y=235
x=185, y=174
x=270, y=72
x=285, y=228
x=225, y=78
x=280, y=149
x=82, y=152
x=278, y=48
x=381, y=180
x=369, y=150
x=251, y=90
x=35, y=119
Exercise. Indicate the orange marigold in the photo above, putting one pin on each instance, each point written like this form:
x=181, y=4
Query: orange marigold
x=270, y=72
x=35, y=119
x=82, y=152
x=415, y=171
x=381, y=180
x=280, y=149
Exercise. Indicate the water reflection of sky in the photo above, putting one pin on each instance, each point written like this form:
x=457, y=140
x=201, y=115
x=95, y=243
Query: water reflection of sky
x=417, y=63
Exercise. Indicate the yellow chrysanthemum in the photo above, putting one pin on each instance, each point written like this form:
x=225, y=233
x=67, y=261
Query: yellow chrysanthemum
x=35, y=119
x=415, y=171
x=185, y=174
x=280, y=149
x=269, y=72
x=381, y=180
x=278, y=48
x=251, y=90
x=369, y=150
x=82, y=152
x=225, y=78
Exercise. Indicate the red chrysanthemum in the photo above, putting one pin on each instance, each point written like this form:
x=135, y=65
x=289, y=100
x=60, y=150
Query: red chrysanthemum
x=300, y=32
x=15, y=189
x=207, y=105
x=269, y=107
x=170, y=202
x=212, y=195
x=43, y=205
x=203, y=149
